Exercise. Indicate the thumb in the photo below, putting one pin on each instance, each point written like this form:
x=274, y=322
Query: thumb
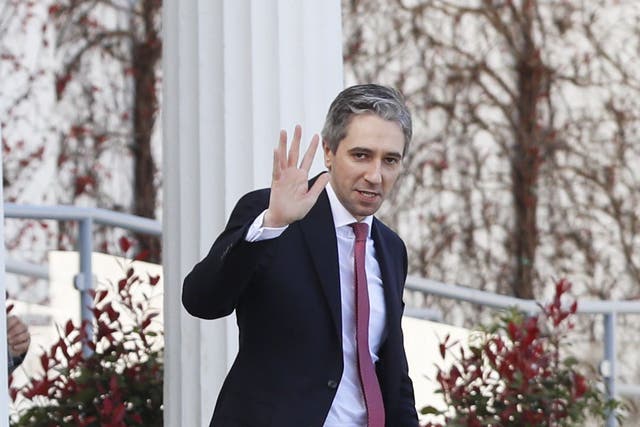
x=318, y=186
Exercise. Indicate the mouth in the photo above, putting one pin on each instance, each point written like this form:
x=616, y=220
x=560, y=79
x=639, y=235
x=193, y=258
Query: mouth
x=368, y=194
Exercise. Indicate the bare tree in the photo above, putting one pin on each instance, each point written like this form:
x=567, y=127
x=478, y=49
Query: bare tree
x=78, y=106
x=524, y=161
x=526, y=137
x=107, y=85
x=26, y=95
x=23, y=93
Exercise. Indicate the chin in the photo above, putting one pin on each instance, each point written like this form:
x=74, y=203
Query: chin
x=366, y=212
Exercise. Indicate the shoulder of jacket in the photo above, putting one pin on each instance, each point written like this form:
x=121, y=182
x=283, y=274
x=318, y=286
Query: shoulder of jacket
x=260, y=196
x=388, y=232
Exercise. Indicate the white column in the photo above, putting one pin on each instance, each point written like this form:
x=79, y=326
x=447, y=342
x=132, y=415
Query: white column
x=234, y=73
x=4, y=380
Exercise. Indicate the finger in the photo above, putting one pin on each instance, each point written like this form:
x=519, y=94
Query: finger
x=294, y=151
x=20, y=338
x=11, y=322
x=18, y=349
x=275, y=173
x=318, y=186
x=282, y=149
x=15, y=326
x=307, y=160
x=18, y=335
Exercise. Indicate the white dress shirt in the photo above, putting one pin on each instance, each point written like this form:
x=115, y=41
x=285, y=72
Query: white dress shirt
x=348, y=407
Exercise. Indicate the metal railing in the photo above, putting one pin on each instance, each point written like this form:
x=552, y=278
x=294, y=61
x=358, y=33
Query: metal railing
x=84, y=281
x=609, y=310
x=86, y=218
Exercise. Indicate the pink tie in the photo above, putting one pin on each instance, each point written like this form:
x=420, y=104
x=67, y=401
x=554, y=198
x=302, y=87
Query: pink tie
x=370, y=384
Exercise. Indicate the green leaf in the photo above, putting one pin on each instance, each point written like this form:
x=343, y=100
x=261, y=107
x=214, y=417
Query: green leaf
x=570, y=361
x=430, y=410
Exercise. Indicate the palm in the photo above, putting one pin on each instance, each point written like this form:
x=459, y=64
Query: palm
x=291, y=199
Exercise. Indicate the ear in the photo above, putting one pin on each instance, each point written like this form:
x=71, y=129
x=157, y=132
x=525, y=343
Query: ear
x=328, y=155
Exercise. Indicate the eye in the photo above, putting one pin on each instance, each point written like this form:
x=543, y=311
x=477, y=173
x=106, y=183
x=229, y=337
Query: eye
x=391, y=160
x=360, y=155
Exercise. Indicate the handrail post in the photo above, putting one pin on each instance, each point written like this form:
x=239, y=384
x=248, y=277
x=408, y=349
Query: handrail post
x=4, y=350
x=610, y=360
x=84, y=280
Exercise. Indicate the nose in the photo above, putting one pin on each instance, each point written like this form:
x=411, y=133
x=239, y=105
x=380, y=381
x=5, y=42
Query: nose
x=373, y=174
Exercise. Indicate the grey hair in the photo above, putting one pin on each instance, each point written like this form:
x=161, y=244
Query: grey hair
x=385, y=102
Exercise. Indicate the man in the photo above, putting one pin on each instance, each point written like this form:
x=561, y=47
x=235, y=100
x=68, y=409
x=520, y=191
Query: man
x=18, y=339
x=320, y=336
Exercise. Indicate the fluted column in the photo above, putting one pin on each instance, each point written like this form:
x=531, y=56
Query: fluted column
x=234, y=73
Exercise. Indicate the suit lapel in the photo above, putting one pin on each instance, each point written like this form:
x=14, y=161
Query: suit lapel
x=389, y=275
x=320, y=236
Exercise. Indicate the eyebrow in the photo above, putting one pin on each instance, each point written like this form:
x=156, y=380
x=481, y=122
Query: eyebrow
x=393, y=154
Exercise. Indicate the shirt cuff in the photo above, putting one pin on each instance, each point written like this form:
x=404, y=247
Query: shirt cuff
x=257, y=232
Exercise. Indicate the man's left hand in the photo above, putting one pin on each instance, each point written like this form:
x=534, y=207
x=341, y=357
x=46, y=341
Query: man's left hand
x=18, y=337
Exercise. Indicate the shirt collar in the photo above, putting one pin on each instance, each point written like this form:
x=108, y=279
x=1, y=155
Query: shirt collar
x=341, y=216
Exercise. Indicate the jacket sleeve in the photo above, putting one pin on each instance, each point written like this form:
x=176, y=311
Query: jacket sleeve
x=216, y=284
x=407, y=414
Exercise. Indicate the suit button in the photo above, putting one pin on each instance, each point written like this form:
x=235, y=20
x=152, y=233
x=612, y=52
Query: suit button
x=332, y=384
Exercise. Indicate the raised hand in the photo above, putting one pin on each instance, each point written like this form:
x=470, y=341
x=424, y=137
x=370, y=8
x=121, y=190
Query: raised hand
x=291, y=199
x=18, y=337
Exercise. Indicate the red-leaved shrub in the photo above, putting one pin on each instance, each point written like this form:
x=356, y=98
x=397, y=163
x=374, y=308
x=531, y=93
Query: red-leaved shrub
x=119, y=384
x=513, y=374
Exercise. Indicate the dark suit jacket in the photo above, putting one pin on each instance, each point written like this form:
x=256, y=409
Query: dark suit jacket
x=286, y=293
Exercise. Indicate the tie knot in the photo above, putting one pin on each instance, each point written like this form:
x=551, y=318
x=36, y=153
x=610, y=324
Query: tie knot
x=361, y=230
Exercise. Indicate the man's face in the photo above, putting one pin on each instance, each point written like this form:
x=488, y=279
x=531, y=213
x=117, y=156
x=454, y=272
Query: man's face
x=366, y=164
